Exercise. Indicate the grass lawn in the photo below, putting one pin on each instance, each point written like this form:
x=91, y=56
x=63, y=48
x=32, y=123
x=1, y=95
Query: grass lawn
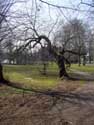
x=29, y=75
x=87, y=68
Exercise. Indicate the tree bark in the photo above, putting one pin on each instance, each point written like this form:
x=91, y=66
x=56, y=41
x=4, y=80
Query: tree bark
x=44, y=68
x=1, y=73
x=84, y=60
x=90, y=59
x=62, y=68
x=79, y=60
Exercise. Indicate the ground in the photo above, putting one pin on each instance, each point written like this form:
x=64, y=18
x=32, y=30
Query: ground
x=38, y=109
x=27, y=108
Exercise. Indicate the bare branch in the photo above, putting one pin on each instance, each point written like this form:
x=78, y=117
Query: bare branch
x=57, y=6
x=21, y=48
x=88, y=4
x=53, y=27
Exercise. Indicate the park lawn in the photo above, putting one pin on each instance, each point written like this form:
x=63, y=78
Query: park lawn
x=29, y=75
x=87, y=68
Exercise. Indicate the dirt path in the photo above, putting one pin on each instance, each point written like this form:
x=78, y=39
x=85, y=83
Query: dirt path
x=83, y=75
x=81, y=112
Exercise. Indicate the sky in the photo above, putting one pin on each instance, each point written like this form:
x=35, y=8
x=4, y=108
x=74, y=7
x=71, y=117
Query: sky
x=48, y=14
x=66, y=13
x=73, y=4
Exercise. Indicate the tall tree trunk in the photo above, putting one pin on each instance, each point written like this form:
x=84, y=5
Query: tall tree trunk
x=79, y=56
x=44, y=68
x=84, y=60
x=62, y=68
x=90, y=59
x=79, y=60
x=1, y=73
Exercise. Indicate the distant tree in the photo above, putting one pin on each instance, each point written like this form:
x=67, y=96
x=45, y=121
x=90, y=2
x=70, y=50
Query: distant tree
x=90, y=46
x=72, y=36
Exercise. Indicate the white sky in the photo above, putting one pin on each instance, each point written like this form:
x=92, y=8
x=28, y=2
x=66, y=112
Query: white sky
x=49, y=15
x=53, y=12
x=67, y=3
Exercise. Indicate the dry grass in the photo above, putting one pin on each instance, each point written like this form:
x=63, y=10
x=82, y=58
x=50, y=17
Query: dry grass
x=38, y=109
x=69, y=85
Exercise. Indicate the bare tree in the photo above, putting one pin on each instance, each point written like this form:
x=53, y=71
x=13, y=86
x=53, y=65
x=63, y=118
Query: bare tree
x=32, y=32
x=90, y=46
x=5, y=29
x=72, y=36
x=35, y=36
x=4, y=8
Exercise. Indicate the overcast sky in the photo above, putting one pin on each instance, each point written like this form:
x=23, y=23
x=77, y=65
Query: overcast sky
x=73, y=4
x=67, y=14
x=50, y=14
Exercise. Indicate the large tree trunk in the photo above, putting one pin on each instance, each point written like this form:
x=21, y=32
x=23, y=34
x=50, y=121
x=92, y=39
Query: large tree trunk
x=79, y=60
x=90, y=59
x=79, y=57
x=84, y=60
x=44, y=68
x=61, y=64
x=1, y=73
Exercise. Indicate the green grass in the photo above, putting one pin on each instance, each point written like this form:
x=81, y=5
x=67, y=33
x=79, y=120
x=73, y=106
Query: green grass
x=87, y=68
x=29, y=75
